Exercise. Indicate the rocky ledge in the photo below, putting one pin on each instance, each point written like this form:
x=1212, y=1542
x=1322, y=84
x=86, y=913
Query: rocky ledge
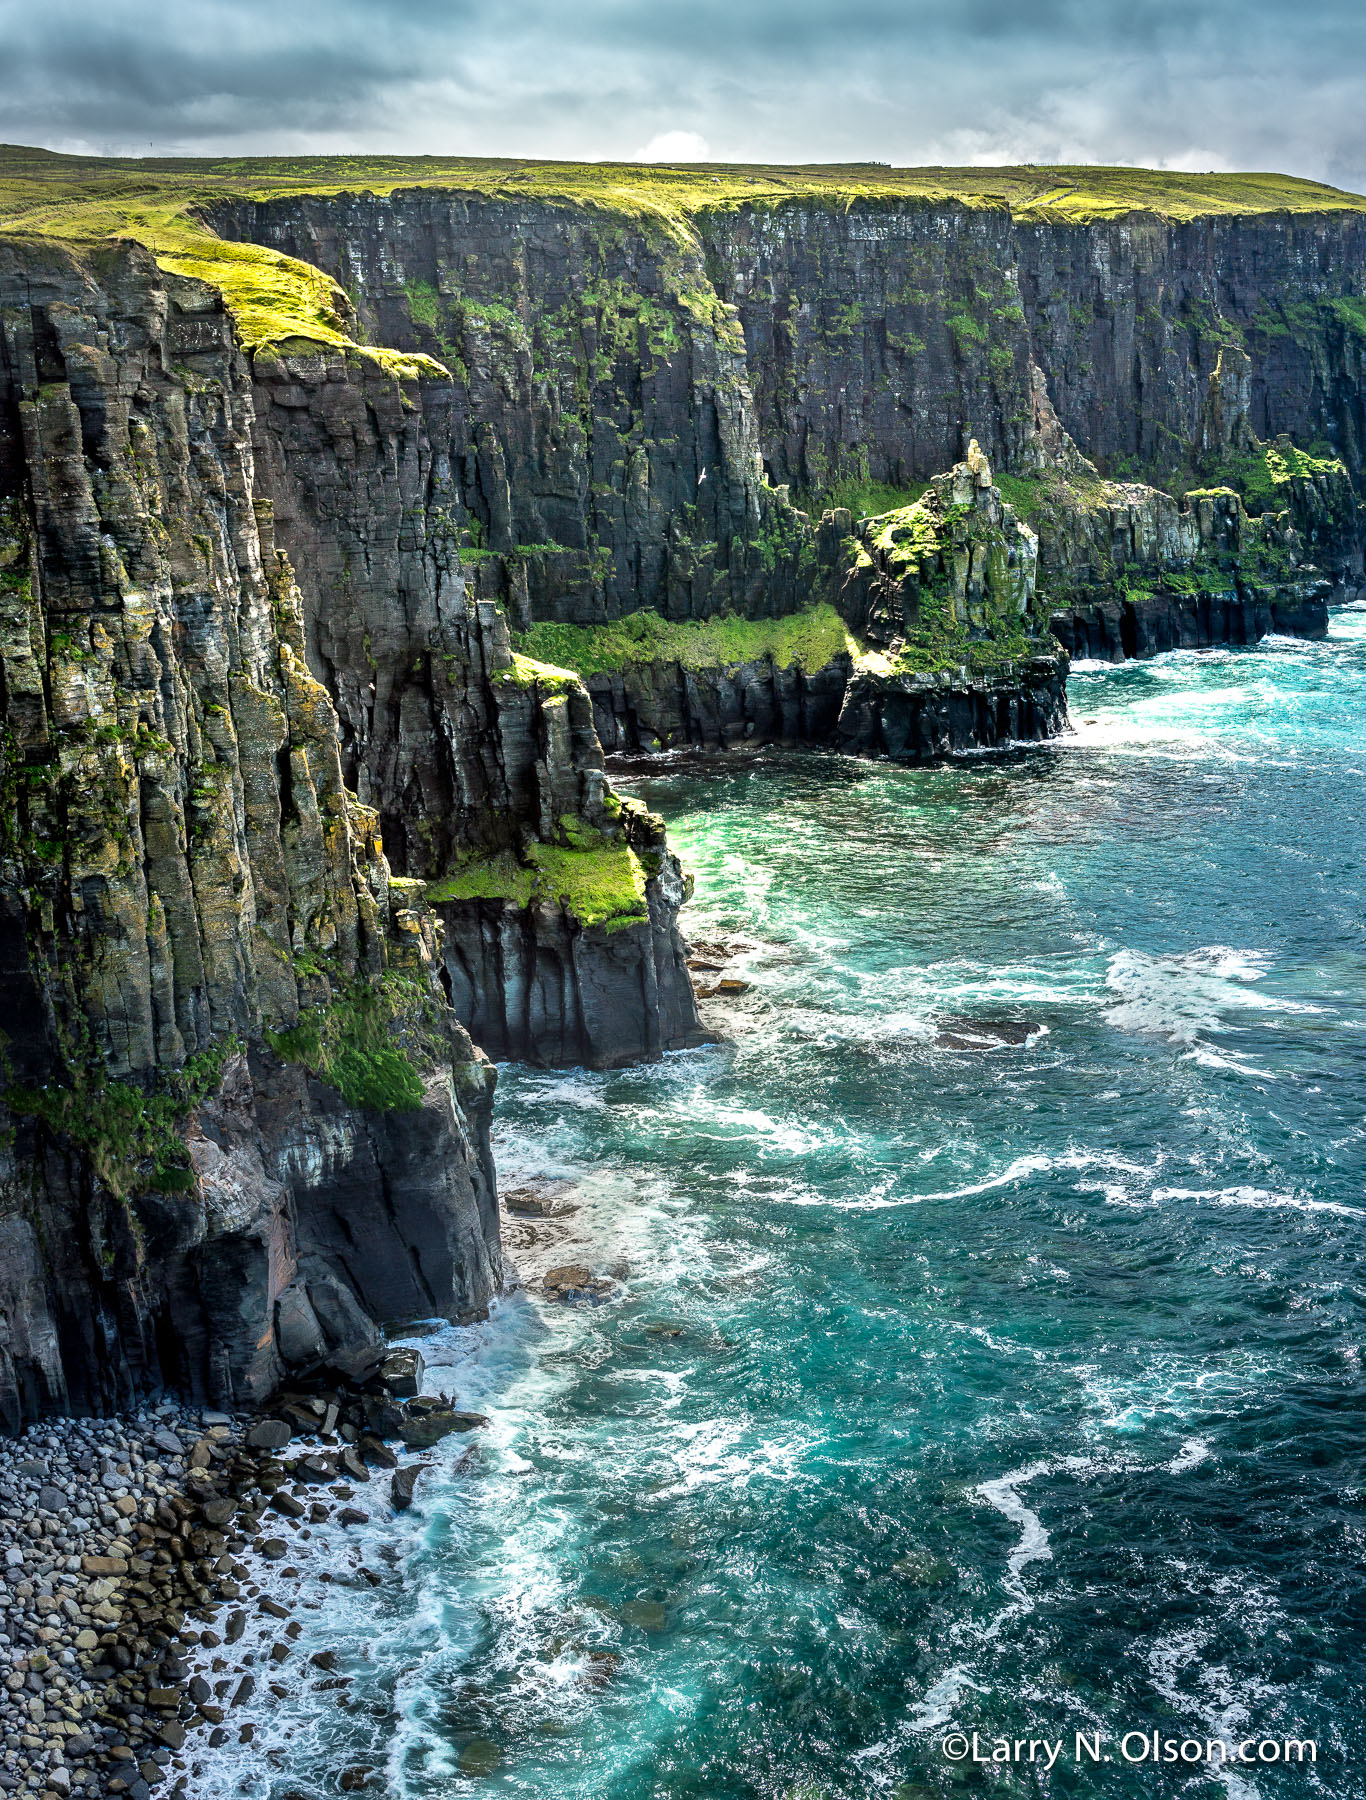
x=928, y=637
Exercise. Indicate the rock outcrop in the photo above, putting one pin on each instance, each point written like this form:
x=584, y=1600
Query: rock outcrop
x=947, y=590
x=243, y=1123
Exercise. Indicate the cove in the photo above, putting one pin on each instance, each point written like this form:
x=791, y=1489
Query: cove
x=1011, y=1388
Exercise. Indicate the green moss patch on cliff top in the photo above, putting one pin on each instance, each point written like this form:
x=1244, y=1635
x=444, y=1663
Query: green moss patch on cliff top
x=36, y=185
x=939, y=644
x=600, y=884
x=908, y=534
x=499, y=877
x=276, y=301
x=527, y=672
x=811, y=639
x=865, y=498
x=1264, y=477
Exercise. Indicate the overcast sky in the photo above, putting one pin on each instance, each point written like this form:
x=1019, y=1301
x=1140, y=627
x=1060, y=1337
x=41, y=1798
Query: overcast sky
x=1228, y=84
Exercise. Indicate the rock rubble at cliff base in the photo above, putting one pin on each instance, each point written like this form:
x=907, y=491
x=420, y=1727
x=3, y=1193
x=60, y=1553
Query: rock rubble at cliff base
x=134, y=1619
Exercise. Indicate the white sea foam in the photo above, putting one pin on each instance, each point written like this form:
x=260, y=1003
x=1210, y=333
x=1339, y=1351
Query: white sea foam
x=1033, y=1545
x=1199, y=1688
x=1184, y=997
x=1021, y=1169
x=1260, y=1200
x=581, y=1089
x=940, y=1702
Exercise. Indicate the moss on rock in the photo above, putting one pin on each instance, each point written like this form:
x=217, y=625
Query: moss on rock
x=811, y=639
x=370, y=1043
x=597, y=882
x=130, y=1133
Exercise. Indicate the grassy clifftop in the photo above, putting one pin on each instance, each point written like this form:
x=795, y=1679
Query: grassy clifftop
x=38, y=187
x=160, y=203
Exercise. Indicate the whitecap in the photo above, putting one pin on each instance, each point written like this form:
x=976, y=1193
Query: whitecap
x=1033, y=1545
x=1261, y=1199
x=940, y=1702
x=582, y=1090
x=1182, y=995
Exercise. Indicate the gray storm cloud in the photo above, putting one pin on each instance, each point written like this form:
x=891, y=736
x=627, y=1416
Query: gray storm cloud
x=1259, y=84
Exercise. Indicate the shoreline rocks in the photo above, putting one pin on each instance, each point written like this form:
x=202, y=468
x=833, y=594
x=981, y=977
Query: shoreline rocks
x=132, y=1553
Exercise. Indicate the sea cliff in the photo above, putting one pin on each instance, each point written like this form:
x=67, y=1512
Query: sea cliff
x=347, y=522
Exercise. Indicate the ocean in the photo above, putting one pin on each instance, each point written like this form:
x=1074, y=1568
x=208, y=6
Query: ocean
x=984, y=1354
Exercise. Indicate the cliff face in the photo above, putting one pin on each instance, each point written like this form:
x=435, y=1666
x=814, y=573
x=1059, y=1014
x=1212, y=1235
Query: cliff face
x=483, y=767
x=640, y=397
x=598, y=442
x=892, y=330
x=247, y=1123
x=244, y=1124
x=633, y=408
x=309, y=657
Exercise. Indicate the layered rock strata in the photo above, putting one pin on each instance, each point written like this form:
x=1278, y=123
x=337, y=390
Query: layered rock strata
x=246, y=1126
x=630, y=397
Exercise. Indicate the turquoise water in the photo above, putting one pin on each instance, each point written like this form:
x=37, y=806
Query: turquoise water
x=1012, y=1389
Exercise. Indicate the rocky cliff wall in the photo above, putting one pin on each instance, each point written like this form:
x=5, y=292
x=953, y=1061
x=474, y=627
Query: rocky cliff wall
x=474, y=758
x=634, y=405
x=631, y=397
x=599, y=436
x=883, y=334
x=294, y=802
x=243, y=1125
x=944, y=639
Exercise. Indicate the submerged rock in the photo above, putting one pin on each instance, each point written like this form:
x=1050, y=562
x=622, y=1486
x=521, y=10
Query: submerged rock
x=480, y=1757
x=401, y=1486
x=544, y=1201
x=649, y=1615
x=984, y=1034
x=600, y=1667
x=572, y=1282
x=426, y=1423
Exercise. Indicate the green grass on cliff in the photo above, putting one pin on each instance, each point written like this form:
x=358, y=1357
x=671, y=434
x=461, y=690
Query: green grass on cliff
x=908, y=535
x=162, y=202
x=363, y=1043
x=1264, y=477
x=37, y=186
x=599, y=884
x=526, y=672
x=864, y=498
x=811, y=639
x=131, y=1136
x=603, y=887
x=499, y=877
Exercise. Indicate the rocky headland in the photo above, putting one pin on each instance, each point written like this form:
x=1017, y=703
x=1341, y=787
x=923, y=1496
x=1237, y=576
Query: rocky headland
x=346, y=528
